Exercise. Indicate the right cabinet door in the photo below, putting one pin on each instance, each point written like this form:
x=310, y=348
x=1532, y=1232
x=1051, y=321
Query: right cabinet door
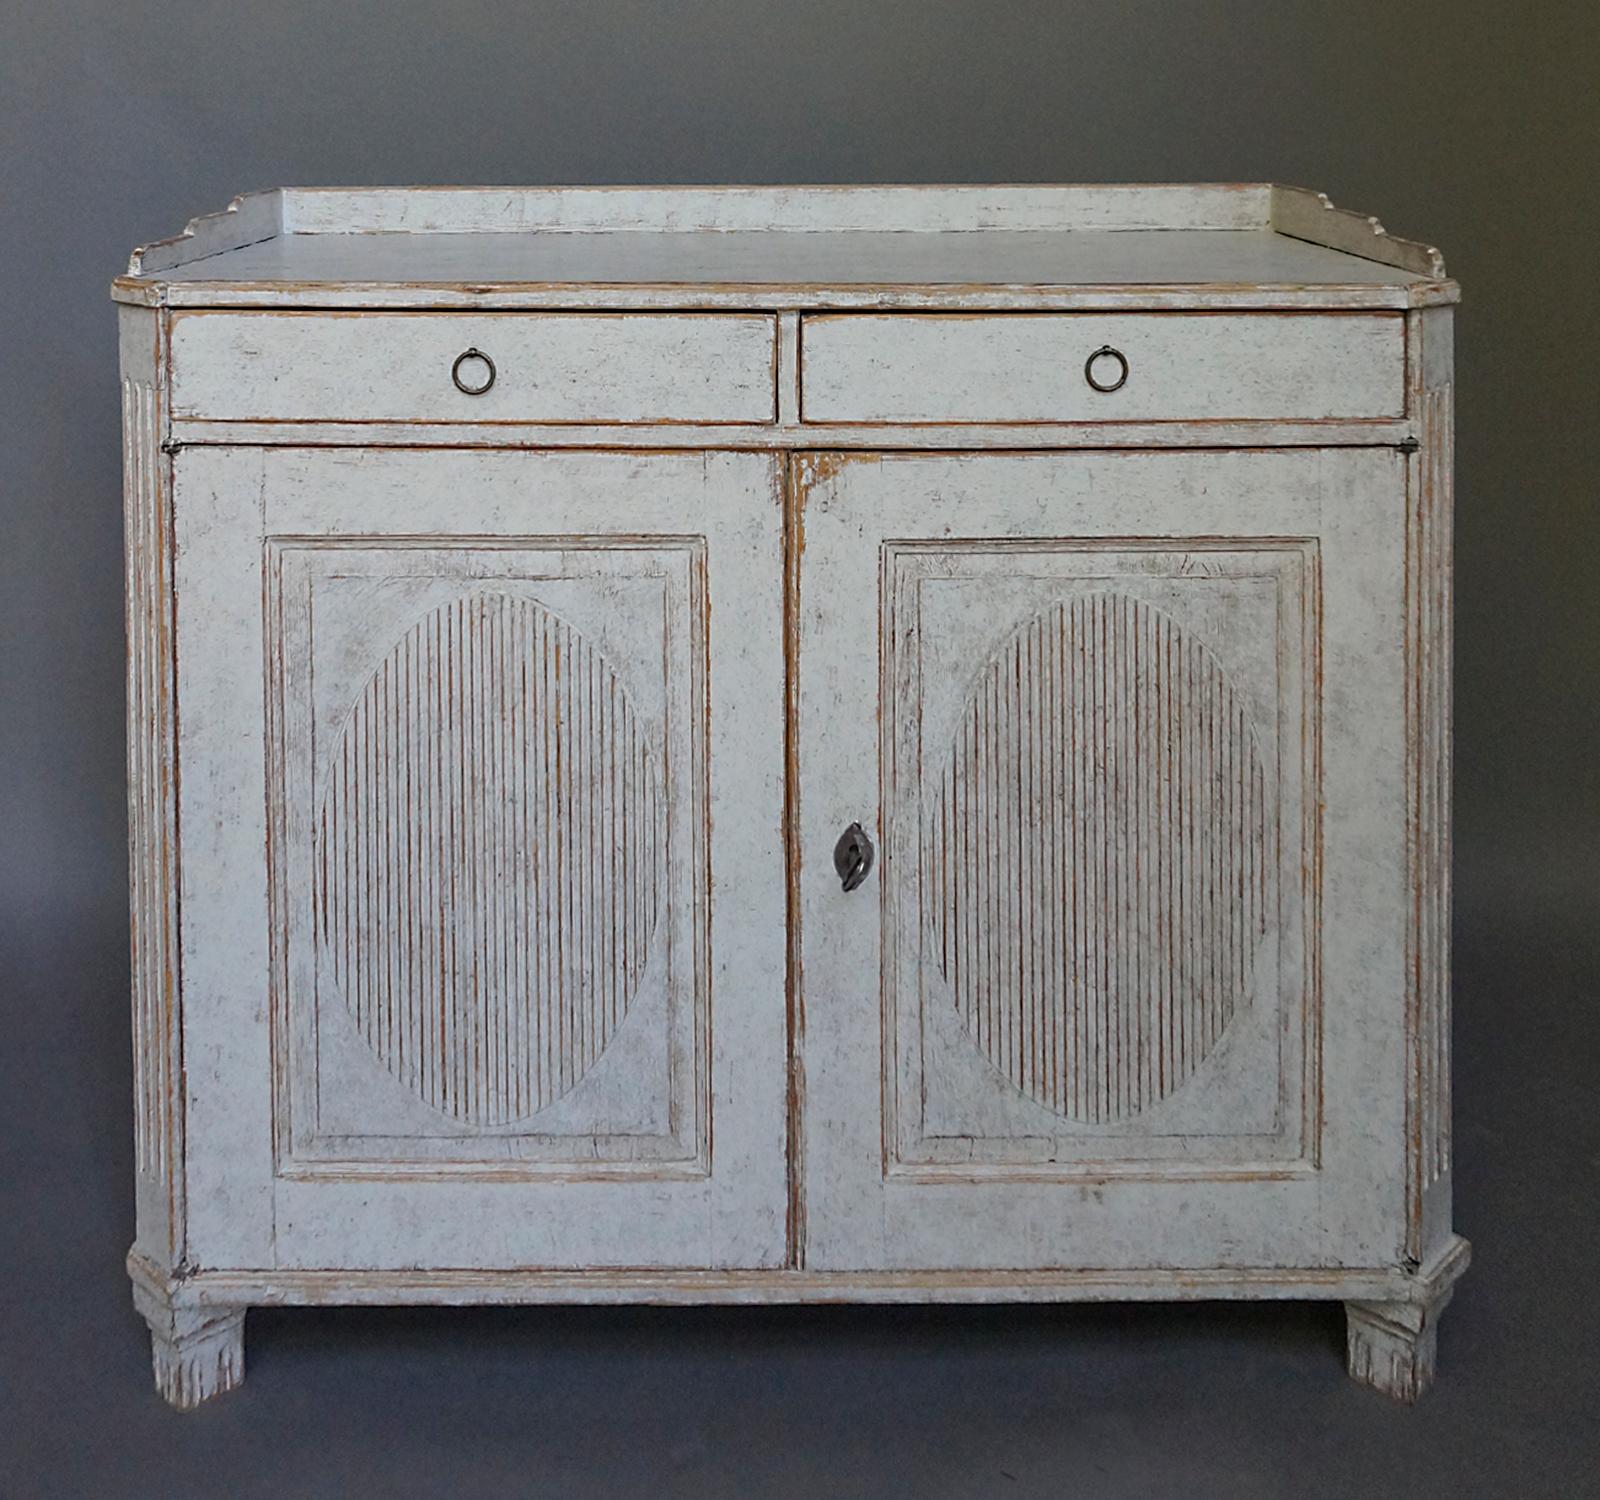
x=1125, y=985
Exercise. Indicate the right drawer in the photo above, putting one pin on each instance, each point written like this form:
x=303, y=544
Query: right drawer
x=1102, y=367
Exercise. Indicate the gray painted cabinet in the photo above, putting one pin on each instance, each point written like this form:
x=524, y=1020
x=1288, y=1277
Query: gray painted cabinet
x=704, y=745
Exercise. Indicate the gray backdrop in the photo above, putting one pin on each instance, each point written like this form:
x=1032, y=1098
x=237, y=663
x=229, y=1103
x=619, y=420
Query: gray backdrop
x=1473, y=125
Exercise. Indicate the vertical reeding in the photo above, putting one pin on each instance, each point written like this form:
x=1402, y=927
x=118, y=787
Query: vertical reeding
x=152, y=802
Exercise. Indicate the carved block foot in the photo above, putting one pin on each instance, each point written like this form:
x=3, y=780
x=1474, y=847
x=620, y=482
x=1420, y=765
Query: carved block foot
x=1394, y=1346
x=198, y=1352
x=200, y=1365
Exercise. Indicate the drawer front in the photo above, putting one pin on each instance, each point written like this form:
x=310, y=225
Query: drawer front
x=1042, y=367
x=403, y=367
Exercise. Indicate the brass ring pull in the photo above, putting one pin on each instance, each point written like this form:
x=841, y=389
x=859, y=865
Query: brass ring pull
x=461, y=359
x=1105, y=351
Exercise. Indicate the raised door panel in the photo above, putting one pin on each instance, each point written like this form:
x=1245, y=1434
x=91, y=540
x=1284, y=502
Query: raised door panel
x=1100, y=752
x=488, y=805
x=474, y=967
x=1123, y=989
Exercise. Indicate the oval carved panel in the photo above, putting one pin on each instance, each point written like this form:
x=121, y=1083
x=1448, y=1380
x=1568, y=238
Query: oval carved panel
x=490, y=858
x=1097, y=857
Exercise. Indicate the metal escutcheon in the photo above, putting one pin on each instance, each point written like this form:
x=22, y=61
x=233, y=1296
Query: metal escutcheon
x=852, y=856
x=1105, y=351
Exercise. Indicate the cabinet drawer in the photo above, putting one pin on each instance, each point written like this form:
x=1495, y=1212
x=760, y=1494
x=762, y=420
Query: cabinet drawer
x=536, y=367
x=1156, y=367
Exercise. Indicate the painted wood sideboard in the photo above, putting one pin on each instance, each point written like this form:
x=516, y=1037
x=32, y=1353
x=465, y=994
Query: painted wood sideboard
x=789, y=744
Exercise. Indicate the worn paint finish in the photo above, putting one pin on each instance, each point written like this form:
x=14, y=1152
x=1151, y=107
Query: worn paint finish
x=1429, y=624
x=627, y=549
x=493, y=777
x=153, y=848
x=1102, y=734
x=1290, y=567
x=549, y=367
x=790, y=435
x=210, y=1290
x=486, y=941
x=1313, y=217
x=1249, y=245
x=1036, y=368
x=1352, y=293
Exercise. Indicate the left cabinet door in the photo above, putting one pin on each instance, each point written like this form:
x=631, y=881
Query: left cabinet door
x=482, y=885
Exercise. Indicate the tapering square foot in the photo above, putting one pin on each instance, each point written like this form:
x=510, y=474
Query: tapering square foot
x=1394, y=1346
x=197, y=1350
x=195, y=1366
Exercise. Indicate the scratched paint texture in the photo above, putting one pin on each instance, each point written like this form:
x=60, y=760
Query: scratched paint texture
x=510, y=966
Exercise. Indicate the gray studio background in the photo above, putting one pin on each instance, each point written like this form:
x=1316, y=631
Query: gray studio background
x=1473, y=125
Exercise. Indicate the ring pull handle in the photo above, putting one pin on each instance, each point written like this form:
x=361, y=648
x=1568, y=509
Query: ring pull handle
x=1119, y=367
x=468, y=385
x=852, y=856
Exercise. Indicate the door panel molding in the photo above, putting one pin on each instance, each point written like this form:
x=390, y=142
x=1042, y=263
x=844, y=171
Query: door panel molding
x=1100, y=812
x=489, y=838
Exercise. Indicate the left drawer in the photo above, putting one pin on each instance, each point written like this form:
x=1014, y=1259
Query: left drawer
x=474, y=367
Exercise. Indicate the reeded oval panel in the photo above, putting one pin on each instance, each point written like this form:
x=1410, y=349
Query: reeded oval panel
x=1097, y=857
x=489, y=858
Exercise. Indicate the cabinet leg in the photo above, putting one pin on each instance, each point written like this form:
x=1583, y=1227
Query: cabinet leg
x=197, y=1351
x=1393, y=1346
x=193, y=1367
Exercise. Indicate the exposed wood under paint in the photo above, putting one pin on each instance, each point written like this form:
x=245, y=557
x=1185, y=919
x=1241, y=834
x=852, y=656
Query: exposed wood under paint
x=488, y=947
x=793, y=436
x=463, y=1287
x=1240, y=244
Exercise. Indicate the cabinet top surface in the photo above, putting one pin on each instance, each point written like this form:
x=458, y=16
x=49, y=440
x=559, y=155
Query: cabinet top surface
x=820, y=247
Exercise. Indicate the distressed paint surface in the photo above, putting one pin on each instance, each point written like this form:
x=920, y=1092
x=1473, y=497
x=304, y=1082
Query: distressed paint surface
x=153, y=847
x=1097, y=872
x=577, y=235
x=307, y=1151
x=1290, y=567
x=550, y=367
x=1094, y=845
x=1032, y=368
x=791, y=435
x=455, y=980
x=471, y=886
x=1429, y=625
x=849, y=260
x=152, y=837
x=489, y=858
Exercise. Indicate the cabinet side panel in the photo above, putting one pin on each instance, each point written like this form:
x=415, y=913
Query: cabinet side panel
x=152, y=793
x=1430, y=491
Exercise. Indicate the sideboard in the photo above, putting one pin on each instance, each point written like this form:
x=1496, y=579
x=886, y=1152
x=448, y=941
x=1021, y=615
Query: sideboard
x=789, y=744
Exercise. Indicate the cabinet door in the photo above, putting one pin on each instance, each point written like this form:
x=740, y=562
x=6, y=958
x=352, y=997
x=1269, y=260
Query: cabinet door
x=482, y=870
x=1125, y=985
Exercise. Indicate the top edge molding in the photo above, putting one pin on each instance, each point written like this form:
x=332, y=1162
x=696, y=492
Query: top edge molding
x=1299, y=213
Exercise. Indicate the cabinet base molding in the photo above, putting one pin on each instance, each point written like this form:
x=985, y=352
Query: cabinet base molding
x=197, y=1320
x=452, y=1287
